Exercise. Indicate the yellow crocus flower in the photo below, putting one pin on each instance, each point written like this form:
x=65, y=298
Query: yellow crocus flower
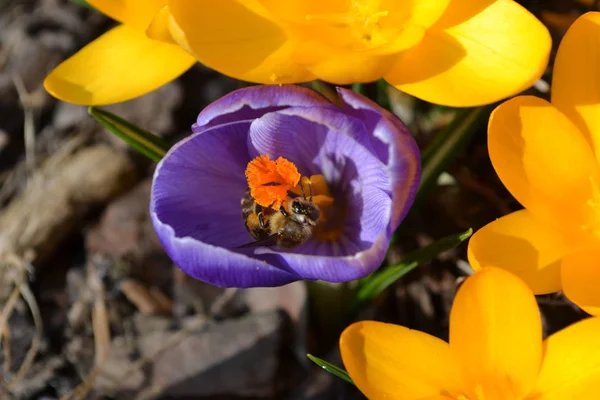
x=121, y=64
x=495, y=351
x=452, y=52
x=548, y=156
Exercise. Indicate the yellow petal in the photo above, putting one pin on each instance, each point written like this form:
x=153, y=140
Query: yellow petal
x=119, y=65
x=343, y=59
x=420, y=12
x=389, y=361
x=576, y=76
x=236, y=41
x=523, y=245
x=136, y=13
x=543, y=160
x=360, y=27
x=496, y=333
x=581, y=278
x=475, y=55
x=297, y=10
x=571, y=366
x=426, y=12
x=344, y=69
x=161, y=25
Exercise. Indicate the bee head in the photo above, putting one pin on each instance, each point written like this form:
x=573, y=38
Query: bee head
x=306, y=209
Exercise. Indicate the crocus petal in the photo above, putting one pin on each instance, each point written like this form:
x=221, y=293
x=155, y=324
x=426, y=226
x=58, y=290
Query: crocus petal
x=364, y=192
x=393, y=144
x=217, y=265
x=389, y=361
x=199, y=230
x=136, y=13
x=119, y=65
x=571, y=367
x=203, y=163
x=160, y=27
x=254, y=102
x=576, y=78
x=422, y=12
x=342, y=63
x=475, y=54
x=297, y=10
x=496, y=333
x=236, y=41
x=289, y=133
x=326, y=261
x=523, y=245
x=425, y=12
x=543, y=160
x=580, y=273
x=336, y=47
x=347, y=68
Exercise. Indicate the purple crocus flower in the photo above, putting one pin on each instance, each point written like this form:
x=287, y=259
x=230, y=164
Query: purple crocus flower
x=368, y=158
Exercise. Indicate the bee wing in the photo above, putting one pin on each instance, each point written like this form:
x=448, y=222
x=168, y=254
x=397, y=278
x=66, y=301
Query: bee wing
x=268, y=241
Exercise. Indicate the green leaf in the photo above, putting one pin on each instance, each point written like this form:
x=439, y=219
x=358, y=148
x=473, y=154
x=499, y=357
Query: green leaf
x=358, y=87
x=383, y=97
x=446, y=145
x=332, y=369
x=146, y=143
x=326, y=90
x=439, y=246
x=377, y=282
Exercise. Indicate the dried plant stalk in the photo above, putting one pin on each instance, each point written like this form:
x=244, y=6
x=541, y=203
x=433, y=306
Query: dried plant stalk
x=59, y=195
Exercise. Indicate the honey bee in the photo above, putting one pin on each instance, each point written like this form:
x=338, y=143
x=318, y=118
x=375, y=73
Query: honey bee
x=288, y=227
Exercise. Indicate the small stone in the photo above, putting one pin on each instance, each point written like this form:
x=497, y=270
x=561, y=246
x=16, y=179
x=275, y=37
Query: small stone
x=119, y=372
x=292, y=299
x=221, y=359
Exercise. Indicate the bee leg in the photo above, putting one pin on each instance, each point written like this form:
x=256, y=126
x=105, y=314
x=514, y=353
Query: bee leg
x=283, y=211
x=302, y=188
x=310, y=189
x=261, y=220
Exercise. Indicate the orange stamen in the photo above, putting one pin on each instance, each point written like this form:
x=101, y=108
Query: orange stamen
x=269, y=181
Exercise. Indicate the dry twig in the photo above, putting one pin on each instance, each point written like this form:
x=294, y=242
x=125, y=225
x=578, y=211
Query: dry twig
x=29, y=298
x=66, y=187
x=143, y=298
x=29, y=122
x=15, y=268
x=101, y=330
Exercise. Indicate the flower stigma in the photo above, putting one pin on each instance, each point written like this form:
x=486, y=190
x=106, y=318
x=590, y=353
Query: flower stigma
x=273, y=183
x=362, y=23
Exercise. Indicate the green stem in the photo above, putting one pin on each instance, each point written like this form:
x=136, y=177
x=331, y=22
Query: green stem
x=329, y=307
